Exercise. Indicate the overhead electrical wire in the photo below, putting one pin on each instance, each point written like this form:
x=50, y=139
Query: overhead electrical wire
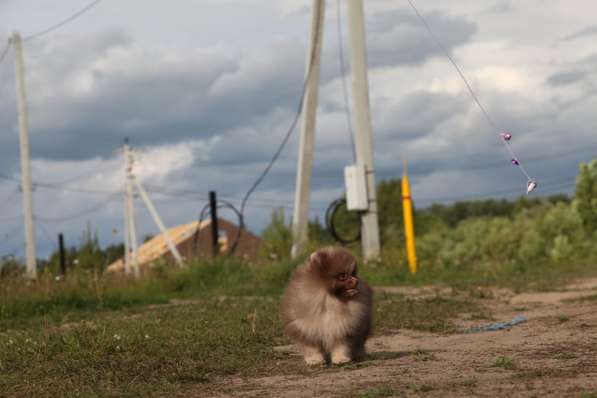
x=63, y=22
x=80, y=176
x=44, y=231
x=11, y=234
x=343, y=79
x=5, y=51
x=291, y=128
x=104, y=202
x=505, y=136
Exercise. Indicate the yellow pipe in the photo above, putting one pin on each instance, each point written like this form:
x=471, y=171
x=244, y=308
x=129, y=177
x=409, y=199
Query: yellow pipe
x=409, y=229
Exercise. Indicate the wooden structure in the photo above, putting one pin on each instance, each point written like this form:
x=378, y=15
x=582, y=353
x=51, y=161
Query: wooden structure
x=194, y=243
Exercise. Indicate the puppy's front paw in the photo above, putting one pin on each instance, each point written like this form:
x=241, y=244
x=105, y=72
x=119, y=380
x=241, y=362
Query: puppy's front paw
x=340, y=356
x=313, y=356
x=314, y=359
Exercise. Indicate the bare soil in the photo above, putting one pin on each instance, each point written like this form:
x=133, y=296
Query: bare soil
x=553, y=354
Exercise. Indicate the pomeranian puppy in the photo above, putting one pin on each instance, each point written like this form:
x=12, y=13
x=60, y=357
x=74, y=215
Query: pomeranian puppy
x=327, y=309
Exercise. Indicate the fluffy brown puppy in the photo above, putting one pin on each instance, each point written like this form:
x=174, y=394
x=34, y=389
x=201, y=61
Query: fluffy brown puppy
x=326, y=308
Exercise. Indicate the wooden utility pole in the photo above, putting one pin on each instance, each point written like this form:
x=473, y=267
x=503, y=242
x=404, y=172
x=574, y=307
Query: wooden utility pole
x=30, y=247
x=307, y=139
x=362, y=120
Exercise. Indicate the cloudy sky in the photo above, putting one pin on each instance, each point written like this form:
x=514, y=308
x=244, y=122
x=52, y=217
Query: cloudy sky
x=206, y=89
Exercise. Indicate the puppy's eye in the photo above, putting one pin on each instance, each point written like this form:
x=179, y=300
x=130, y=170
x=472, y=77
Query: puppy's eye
x=342, y=276
x=354, y=273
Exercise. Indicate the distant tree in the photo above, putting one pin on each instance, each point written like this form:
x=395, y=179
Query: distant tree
x=389, y=210
x=586, y=195
x=277, y=237
x=90, y=255
x=318, y=233
x=10, y=267
x=113, y=252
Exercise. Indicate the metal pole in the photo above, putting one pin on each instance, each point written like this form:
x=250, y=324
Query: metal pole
x=307, y=138
x=213, y=208
x=62, y=254
x=159, y=223
x=363, y=139
x=25, y=162
x=409, y=225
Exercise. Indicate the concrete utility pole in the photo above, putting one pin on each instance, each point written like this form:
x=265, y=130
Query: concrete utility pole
x=25, y=162
x=131, y=254
x=307, y=138
x=126, y=235
x=159, y=223
x=363, y=139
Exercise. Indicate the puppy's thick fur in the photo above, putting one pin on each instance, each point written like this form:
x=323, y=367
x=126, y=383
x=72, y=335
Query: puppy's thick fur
x=327, y=309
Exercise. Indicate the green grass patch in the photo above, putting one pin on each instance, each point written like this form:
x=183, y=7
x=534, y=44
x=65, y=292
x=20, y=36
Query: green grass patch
x=152, y=350
x=429, y=314
x=377, y=392
x=504, y=362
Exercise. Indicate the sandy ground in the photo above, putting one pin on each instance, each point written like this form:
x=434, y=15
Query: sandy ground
x=553, y=354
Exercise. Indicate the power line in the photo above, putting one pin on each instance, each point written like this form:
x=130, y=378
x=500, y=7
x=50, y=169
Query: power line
x=104, y=202
x=290, y=129
x=490, y=121
x=80, y=176
x=553, y=184
x=343, y=79
x=5, y=51
x=63, y=22
x=66, y=189
x=11, y=234
x=44, y=231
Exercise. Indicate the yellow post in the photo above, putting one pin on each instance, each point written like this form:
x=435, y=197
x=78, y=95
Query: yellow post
x=409, y=229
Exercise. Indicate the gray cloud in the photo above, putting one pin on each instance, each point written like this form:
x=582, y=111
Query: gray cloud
x=397, y=37
x=586, y=32
x=233, y=107
x=501, y=7
x=567, y=77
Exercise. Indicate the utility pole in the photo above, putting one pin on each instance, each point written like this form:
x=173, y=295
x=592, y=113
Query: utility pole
x=307, y=138
x=131, y=253
x=159, y=223
x=62, y=255
x=363, y=139
x=126, y=235
x=25, y=162
x=215, y=236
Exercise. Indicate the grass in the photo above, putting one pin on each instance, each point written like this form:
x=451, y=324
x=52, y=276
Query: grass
x=504, y=362
x=164, y=348
x=377, y=392
x=93, y=335
x=110, y=338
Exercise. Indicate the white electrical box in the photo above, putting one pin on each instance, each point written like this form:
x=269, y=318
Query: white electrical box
x=355, y=180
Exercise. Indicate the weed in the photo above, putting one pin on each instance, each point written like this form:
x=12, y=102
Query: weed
x=377, y=392
x=504, y=362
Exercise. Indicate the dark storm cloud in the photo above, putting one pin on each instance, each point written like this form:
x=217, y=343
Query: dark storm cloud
x=160, y=97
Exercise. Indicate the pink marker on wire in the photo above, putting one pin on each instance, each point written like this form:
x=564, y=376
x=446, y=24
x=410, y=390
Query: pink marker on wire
x=505, y=137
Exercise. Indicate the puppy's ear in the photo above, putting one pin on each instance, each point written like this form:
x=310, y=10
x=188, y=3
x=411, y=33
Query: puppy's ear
x=318, y=260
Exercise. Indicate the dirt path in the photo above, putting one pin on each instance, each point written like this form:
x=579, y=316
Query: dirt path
x=553, y=354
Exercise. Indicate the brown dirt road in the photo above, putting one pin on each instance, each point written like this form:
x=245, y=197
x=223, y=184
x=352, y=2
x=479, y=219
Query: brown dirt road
x=553, y=354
